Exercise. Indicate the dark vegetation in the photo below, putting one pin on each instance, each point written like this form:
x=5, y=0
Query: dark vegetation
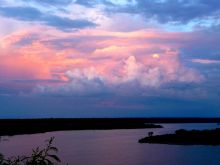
x=45, y=156
x=30, y=126
x=184, y=137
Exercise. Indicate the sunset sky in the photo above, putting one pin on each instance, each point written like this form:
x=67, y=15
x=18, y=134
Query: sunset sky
x=109, y=58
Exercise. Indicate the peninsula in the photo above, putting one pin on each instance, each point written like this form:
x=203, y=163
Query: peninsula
x=184, y=137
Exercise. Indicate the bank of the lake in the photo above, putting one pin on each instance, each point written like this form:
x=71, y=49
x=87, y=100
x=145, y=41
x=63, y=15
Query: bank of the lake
x=31, y=126
x=115, y=147
x=186, y=137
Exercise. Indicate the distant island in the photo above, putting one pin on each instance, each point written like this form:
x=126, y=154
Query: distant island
x=184, y=137
x=32, y=126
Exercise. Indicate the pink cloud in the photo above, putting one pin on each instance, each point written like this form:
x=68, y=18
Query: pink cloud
x=206, y=61
x=92, y=59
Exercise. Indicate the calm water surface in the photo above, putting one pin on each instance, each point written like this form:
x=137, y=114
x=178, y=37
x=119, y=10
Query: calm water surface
x=116, y=147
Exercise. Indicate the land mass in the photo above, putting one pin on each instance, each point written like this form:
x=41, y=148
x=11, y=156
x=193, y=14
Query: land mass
x=31, y=126
x=184, y=137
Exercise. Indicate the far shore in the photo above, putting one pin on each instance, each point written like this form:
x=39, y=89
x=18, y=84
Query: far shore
x=186, y=137
x=32, y=126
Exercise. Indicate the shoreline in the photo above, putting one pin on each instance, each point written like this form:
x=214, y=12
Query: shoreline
x=10, y=127
x=186, y=137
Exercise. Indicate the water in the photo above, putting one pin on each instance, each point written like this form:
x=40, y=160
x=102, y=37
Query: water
x=116, y=147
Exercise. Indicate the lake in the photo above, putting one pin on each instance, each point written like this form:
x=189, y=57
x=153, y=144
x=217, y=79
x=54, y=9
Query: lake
x=116, y=147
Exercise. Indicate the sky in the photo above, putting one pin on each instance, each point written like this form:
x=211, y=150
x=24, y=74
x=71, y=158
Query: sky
x=109, y=58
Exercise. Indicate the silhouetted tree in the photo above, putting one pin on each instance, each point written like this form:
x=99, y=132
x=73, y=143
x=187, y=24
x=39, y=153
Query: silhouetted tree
x=46, y=156
x=150, y=134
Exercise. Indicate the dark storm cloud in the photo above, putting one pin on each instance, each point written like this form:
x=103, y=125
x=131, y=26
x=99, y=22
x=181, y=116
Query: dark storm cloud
x=33, y=15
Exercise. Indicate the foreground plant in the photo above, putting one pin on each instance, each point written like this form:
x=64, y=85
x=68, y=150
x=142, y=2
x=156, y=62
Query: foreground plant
x=46, y=156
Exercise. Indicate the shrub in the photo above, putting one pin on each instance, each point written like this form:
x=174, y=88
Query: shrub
x=46, y=156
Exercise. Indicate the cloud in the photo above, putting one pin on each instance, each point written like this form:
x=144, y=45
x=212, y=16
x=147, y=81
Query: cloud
x=95, y=61
x=63, y=23
x=31, y=14
x=89, y=81
x=80, y=82
x=202, y=44
x=86, y=3
x=173, y=11
x=132, y=64
x=21, y=13
x=154, y=74
x=52, y=3
x=94, y=2
x=62, y=3
x=206, y=61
